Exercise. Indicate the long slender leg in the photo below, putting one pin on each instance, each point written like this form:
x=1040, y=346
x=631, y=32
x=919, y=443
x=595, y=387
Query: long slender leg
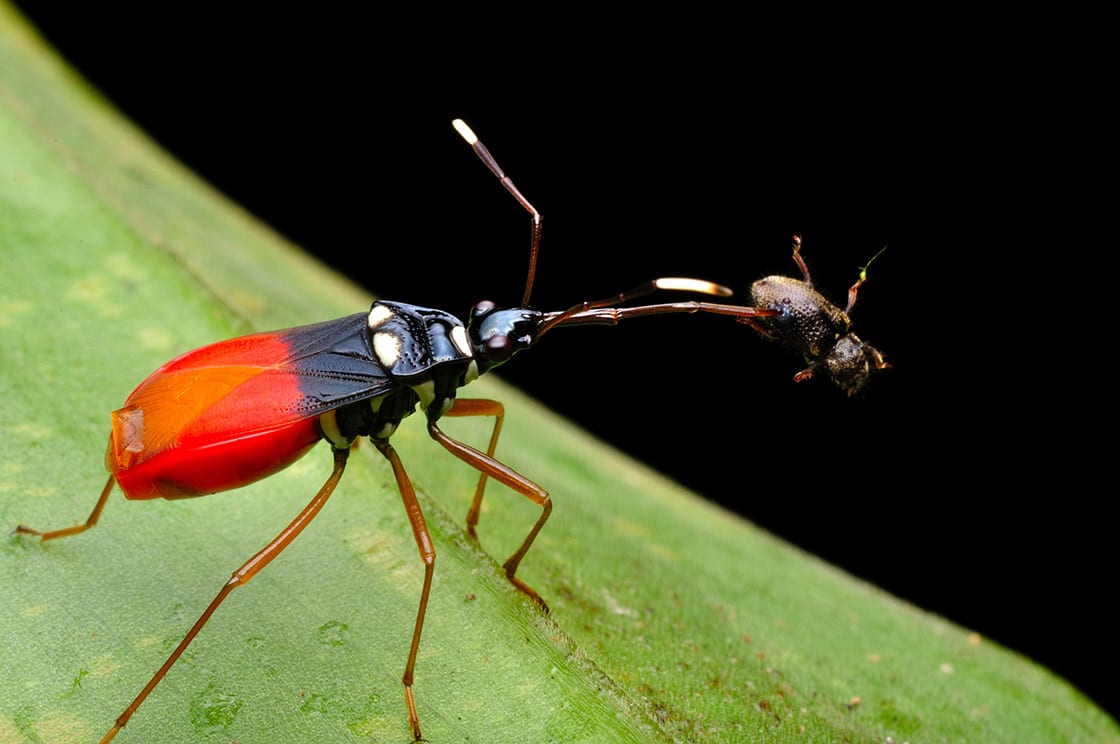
x=240, y=577
x=428, y=555
x=509, y=477
x=480, y=407
x=67, y=531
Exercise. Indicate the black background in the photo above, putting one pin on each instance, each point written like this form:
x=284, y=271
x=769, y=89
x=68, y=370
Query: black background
x=966, y=479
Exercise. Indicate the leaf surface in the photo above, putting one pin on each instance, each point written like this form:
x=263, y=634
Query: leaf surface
x=672, y=620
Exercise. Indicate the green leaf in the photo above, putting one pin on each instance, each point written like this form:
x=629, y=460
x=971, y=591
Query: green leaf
x=672, y=620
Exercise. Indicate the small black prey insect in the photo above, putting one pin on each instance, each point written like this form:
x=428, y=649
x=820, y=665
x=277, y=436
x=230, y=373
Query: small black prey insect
x=809, y=324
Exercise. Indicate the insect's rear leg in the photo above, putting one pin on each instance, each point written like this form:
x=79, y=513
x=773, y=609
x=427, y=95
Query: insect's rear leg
x=489, y=467
x=45, y=535
x=240, y=577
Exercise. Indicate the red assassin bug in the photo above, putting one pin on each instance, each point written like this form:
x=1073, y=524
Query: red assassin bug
x=237, y=411
x=806, y=322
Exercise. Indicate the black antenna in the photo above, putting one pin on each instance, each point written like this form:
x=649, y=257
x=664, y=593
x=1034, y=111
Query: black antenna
x=484, y=155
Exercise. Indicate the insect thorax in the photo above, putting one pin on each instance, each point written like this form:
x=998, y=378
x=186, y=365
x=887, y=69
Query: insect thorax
x=425, y=354
x=807, y=322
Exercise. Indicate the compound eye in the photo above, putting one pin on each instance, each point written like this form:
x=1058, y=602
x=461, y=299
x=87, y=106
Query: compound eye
x=482, y=309
x=784, y=308
x=497, y=348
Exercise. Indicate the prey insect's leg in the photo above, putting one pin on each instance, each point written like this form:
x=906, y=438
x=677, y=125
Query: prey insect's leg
x=428, y=555
x=805, y=374
x=240, y=577
x=480, y=407
x=800, y=261
x=507, y=476
x=67, y=531
x=755, y=325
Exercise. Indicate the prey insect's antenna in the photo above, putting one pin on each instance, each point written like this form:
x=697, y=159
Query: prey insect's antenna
x=484, y=155
x=854, y=289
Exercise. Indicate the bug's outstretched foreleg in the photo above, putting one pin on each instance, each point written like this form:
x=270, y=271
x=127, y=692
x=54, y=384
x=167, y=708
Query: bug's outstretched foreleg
x=490, y=467
x=45, y=535
x=240, y=577
x=428, y=555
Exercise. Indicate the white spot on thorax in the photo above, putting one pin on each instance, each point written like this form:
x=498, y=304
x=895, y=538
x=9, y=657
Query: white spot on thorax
x=462, y=343
x=378, y=314
x=387, y=347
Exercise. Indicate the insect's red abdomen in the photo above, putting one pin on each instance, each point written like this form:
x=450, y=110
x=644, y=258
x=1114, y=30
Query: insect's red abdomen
x=197, y=469
x=214, y=419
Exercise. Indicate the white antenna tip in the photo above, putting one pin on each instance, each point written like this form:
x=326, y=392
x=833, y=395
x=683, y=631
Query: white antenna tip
x=464, y=131
x=692, y=285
